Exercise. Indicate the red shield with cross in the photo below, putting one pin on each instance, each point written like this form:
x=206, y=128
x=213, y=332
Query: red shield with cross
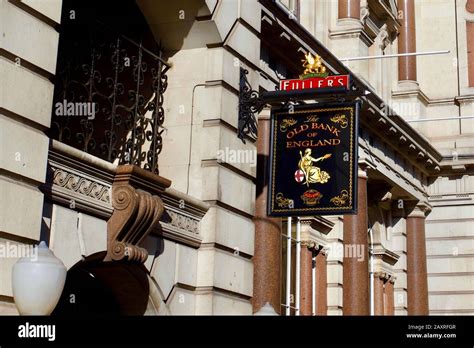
x=299, y=175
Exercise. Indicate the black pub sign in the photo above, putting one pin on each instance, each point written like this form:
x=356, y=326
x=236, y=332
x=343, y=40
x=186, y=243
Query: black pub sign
x=313, y=159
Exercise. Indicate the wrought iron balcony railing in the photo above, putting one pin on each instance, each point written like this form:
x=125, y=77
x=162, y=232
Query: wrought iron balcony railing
x=109, y=97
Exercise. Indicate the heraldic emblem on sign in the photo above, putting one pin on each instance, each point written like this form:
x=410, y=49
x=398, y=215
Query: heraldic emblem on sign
x=312, y=174
x=313, y=66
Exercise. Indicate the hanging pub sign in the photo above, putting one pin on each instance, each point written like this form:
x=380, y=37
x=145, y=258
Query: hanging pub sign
x=314, y=160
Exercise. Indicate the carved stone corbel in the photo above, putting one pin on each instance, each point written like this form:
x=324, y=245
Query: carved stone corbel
x=364, y=11
x=137, y=212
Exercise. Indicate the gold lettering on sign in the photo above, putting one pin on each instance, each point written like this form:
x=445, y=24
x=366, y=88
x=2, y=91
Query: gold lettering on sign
x=312, y=143
x=312, y=118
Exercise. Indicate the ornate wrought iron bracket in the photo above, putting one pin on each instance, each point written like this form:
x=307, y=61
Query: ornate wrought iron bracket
x=251, y=102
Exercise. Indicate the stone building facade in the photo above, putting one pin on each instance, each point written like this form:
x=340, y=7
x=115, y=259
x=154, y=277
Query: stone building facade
x=154, y=200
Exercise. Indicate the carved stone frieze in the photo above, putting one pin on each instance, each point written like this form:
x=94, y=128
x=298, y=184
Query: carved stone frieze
x=79, y=181
x=135, y=202
x=80, y=185
x=183, y=222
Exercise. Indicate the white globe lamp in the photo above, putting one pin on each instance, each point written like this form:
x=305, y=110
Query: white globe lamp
x=38, y=282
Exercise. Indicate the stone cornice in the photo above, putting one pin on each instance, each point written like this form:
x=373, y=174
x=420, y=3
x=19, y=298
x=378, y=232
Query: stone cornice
x=353, y=28
x=403, y=138
x=401, y=178
x=84, y=183
x=314, y=231
x=418, y=209
x=465, y=99
x=376, y=12
x=387, y=256
x=181, y=221
x=318, y=223
x=427, y=101
x=79, y=181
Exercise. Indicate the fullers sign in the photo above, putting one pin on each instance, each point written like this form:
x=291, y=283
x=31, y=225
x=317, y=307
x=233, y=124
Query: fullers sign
x=314, y=160
x=315, y=76
x=315, y=82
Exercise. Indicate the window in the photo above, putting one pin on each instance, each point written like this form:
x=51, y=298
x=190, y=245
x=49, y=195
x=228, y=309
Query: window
x=110, y=81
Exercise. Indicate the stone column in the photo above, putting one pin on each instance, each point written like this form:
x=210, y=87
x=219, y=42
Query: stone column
x=306, y=280
x=378, y=294
x=321, y=284
x=389, y=305
x=417, y=280
x=356, y=272
x=267, y=254
x=407, y=41
x=348, y=9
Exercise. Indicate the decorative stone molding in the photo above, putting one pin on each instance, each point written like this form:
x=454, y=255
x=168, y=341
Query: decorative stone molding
x=319, y=224
x=145, y=205
x=314, y=231
x=382, y=12
x=407, y=143
x=381, y=275
x=386, y=276
x=418, y=209
x=131, y=199
x=80, y=185
x=363, y=166
x=383, y=38
x=79, y=181
x=309, y=244
x=184, y=222
x=384, y=260
x=386, y=256
x=181, y=220
x=368, y=26
x=364, y=11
